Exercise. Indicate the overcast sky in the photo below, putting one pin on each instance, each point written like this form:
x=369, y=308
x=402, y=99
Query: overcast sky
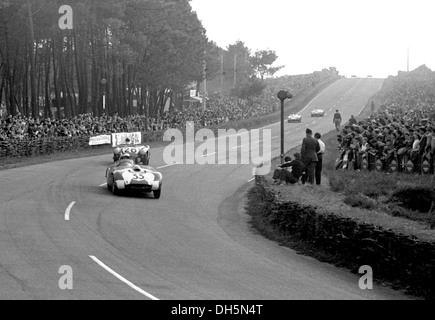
x=358, y=37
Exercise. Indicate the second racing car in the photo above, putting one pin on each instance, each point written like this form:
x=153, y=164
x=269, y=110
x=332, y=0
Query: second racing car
x=140, y=154
x=294, y=118
x=317, y=113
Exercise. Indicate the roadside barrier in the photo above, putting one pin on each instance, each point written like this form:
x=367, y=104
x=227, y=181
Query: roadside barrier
x=30, y=147
x=368, y=161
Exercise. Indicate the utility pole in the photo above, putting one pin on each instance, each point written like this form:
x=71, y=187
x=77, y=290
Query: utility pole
x=204, y=100
x=283, y=95
x=235, y=69
x=222, y=72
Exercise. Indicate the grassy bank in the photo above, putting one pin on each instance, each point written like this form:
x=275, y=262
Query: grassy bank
x=355, y=218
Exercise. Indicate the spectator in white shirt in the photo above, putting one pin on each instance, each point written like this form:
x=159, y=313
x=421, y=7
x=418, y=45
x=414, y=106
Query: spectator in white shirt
x=318, y=173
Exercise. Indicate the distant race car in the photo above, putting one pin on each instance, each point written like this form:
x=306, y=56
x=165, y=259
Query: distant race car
x=317, y=113
x=139, y=153
x=294, y=118
x=126, y=175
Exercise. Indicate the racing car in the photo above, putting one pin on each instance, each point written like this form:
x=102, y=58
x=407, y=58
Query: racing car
x=139, y=153
x=294, y=118
x=126, y=175
x=317, y=113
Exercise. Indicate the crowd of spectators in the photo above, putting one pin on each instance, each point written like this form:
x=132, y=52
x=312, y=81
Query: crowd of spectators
x=400, y=134
x=221, y=108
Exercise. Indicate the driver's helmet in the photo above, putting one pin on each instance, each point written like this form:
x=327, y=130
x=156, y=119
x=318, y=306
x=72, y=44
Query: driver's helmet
x=125, y=156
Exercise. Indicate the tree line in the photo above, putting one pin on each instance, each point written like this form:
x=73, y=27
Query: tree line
x=138, y=54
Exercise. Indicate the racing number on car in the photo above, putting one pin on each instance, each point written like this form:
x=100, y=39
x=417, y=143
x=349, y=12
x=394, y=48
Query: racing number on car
x=138, y=177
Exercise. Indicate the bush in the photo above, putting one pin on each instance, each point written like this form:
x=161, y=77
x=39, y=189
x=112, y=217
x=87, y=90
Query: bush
x=360, y=200
x=415, y=198
x=337, y=182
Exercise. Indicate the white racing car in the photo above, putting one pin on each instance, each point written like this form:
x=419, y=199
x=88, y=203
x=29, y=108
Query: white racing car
x=294, y=118
x=317, y=113
x=126, y=175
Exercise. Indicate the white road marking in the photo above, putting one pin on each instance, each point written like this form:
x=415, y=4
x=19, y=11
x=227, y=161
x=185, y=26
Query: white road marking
x=68, y=210
x=131, y=285
x=209, y=154
x=103, y=185
x=168, y=165
x=238, y=147
x=252, y=179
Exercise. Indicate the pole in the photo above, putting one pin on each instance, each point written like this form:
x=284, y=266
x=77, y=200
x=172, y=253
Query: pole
x=282, y=132
x=235, y=69
x=104, y=102
x=282, y=95
x=204, y=101
x=222, y=72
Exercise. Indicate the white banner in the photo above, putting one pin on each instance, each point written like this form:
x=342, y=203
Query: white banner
x=120, y=138
x=99, y=140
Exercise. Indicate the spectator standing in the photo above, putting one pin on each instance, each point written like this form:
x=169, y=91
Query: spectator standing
x=337, y=120
x=319, y=165
x=352, y=121
x=309, y=150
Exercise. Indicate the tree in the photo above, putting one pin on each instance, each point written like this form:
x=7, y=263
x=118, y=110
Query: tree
x=262, y=62
x=248, y=89
x=146, y=49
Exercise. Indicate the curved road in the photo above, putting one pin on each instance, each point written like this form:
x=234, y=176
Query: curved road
x=193, y=243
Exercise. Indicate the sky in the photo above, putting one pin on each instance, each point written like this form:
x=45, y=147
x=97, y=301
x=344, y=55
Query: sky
x=358, y=37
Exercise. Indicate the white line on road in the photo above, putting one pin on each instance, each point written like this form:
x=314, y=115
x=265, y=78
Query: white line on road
x=131, y=285
x=208, y=154
x=103, y=185
x=168, y=165
x=252, y=179
x=68, y=210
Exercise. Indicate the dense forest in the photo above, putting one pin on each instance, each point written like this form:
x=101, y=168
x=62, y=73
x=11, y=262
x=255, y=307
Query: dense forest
x=133, y=54
x=146, y=49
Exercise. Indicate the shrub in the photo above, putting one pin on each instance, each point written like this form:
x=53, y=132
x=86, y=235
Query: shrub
x=414, y=198
x=337, y=183
x=360, y=200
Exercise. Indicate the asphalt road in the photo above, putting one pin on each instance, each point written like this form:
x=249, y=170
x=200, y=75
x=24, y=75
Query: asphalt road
x=193, y=243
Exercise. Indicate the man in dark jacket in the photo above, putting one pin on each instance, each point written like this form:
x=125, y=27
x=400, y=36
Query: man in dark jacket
x=337, y=120
x=309, y=150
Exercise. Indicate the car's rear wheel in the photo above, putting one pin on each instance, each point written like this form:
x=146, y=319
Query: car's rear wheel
x=157, y=193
